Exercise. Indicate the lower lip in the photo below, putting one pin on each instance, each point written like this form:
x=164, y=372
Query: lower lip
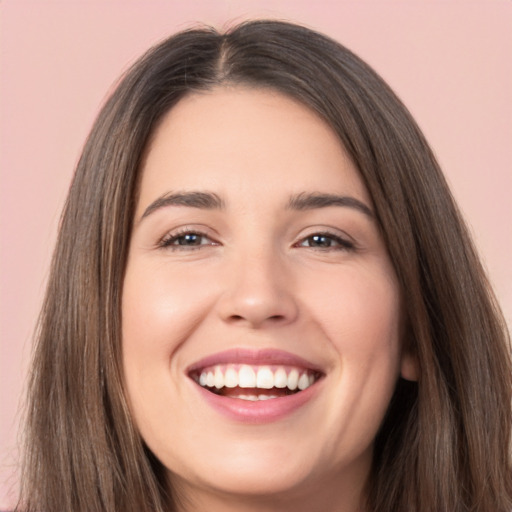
x=259, y=411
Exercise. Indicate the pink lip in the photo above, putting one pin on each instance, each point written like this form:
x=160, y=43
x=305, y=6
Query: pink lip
x=254, y=357
x=262, y=411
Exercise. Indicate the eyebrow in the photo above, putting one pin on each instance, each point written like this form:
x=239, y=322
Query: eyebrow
x=316, y=200
x=203, y=200
x=299, y=202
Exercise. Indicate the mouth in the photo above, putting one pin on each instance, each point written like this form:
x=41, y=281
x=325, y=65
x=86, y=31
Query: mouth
x=256, y=386
x=255, y=382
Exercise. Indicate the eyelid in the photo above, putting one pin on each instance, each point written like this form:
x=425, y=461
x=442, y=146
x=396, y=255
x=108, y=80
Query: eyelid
x=165, y=242
x=345, y=241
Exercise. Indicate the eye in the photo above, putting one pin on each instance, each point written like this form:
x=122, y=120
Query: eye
x=326, y=241
x=186, y=240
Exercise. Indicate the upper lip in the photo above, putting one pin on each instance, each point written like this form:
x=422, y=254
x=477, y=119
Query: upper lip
x=254, y=357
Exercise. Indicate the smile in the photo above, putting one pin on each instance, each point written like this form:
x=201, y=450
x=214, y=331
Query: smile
x=255, y=386
x=254, y=383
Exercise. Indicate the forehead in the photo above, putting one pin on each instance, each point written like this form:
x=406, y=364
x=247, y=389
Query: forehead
x=246, y=140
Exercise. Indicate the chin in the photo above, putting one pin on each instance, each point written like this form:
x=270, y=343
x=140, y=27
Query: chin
x=257, y=479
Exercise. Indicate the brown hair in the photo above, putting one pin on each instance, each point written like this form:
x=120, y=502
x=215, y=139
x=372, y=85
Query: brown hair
x=444, y=444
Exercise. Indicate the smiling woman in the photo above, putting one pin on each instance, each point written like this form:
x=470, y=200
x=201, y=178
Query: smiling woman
x=266, y=308
x=263, y=298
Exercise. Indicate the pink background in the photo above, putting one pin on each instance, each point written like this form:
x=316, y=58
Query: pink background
x=450, y=62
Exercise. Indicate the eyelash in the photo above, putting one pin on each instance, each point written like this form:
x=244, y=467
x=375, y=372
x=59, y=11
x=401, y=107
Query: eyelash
x=169, y=241
x=342, y=244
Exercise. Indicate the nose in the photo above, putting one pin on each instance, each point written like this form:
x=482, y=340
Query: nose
x=258, y=292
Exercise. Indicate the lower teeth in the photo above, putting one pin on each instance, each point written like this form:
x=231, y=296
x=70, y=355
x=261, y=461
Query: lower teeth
x=255, y=398
x=252, y=397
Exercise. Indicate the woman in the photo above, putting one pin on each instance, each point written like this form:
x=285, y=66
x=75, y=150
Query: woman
x=264, y=298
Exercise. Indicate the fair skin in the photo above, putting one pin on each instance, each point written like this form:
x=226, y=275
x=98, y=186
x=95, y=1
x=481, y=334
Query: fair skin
x=277, y=264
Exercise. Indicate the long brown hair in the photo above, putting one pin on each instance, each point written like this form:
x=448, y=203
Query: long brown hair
x=444, y=445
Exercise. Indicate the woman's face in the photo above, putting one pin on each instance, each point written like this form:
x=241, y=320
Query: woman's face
x=261, y=314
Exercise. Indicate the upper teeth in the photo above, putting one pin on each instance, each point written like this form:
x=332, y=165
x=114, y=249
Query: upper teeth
x=263, y=377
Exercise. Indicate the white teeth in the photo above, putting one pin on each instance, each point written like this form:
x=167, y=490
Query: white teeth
x=265, y=378
x=219, y=378
x=280, y=378
x=231, y=378
x=254, y=398
x=246, y=377
x=303, y=382
x=293, y=380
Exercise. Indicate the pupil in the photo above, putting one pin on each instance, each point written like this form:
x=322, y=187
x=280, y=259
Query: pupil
x=320, y=240
x=190, y=239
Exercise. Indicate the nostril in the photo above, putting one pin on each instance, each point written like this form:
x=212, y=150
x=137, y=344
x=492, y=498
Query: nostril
x=242, y=318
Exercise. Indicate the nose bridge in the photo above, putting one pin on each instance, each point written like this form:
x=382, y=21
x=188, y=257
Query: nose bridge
x=258, y=288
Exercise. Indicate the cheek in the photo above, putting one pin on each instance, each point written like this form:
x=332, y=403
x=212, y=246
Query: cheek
x=359, y=309
x=160, y=311
x=361, y=319
x=161, y=307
